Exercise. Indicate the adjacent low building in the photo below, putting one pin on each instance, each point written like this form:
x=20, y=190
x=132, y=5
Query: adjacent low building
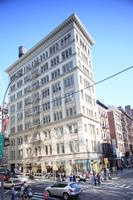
x=105, y=131
x=121, y=132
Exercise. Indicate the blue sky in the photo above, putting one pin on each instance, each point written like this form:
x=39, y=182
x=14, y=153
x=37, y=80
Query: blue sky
x=110, y=23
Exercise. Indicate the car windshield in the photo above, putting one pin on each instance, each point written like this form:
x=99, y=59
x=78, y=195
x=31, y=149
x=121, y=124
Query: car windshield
x=8, y=182
x=16, y=181
x=73, y=185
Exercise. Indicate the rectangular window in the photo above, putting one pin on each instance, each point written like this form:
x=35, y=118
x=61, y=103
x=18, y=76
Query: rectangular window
x=57, y=116
x=70, y=111
x=44, y=68
x=56, y=87
x=69, y=97
x=12, y=98
x=50, y=149
x=66, y=54
x=19, y=105
x=65, y=40
x=57, y=102
x=71, y=146
x=12, y=109
x=62, y=148
x=46, y=119
x=19, y=116
x=44, y=80
x=19, y=94
x=67, y=67
x=12, y=88
x=46, y=150
x=19, y=83
x=54, y=61
x=45, y=92
x=55, y=74
x=58, y=148
x=69, y=81
x=46, y=106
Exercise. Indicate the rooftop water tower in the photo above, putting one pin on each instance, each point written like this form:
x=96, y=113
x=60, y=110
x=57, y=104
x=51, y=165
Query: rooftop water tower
x=21, y=50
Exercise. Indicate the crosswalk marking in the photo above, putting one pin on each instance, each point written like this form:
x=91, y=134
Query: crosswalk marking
x=119, y=184
x=38, y=196
x=129, y=185
x=7, y=191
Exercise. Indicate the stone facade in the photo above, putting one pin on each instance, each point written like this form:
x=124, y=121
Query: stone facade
x=54, y=124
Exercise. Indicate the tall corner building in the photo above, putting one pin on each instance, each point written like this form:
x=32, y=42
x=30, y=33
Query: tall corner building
x=54, y=125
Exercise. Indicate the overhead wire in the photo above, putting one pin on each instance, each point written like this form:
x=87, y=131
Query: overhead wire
x=75, y=92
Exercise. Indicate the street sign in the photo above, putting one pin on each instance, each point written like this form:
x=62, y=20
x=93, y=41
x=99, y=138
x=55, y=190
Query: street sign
x=1, y=146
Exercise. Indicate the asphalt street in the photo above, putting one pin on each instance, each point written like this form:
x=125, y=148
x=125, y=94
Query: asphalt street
x=120, y=187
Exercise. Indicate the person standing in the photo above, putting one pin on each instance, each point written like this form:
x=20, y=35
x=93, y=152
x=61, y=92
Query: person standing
x=95, y=179
x=13, y=193
x=89, y=178
x=22, y=192
x=92, y=179
x=29, y=191
x=74, y=178
x=105, y=173
x=26, y=192
x=98, y=178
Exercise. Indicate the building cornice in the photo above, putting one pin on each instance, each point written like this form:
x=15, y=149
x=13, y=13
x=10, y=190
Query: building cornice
x=72, y=19
x=125, y=113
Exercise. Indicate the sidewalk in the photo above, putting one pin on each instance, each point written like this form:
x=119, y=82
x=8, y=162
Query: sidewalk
x=39, y=179
x=120, y=173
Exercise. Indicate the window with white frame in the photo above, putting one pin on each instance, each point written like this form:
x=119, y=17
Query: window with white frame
x=69, y=81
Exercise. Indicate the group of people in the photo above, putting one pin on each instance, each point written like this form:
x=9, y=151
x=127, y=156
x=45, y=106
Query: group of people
x=93, y=178
x=26, y=192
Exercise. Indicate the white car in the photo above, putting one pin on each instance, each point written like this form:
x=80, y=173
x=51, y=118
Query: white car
x=20, y=177
x=16, y=182
x=64, y=189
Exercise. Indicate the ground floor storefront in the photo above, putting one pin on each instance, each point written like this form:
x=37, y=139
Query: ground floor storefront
x=66, y=166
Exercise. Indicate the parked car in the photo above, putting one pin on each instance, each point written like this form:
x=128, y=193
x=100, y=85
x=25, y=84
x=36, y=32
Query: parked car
x=6, y=174
x=6, y=177
x=20, y=177
x=16, y=182
x=64, y=189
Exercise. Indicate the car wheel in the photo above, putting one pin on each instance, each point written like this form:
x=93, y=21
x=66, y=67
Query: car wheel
x=65, y=196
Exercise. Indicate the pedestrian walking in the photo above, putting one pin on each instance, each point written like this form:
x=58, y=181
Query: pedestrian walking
x=92, y=179
x=105, y=173
x=25, y=192
x=95, y=179
x=29, y=192
x=70, y=177
x=22, y=192
x=98, y=178
x=13, y=193
x=89, y=178
x=74, y=178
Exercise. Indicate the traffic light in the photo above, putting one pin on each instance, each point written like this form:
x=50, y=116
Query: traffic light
x=6, y=142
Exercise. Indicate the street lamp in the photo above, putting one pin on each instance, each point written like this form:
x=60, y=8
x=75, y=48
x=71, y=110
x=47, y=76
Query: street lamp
x=2, y=139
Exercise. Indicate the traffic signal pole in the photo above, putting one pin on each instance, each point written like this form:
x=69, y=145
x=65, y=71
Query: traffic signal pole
x=2, y=141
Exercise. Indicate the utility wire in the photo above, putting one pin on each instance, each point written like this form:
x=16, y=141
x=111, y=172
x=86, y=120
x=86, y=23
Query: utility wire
x=75, y=92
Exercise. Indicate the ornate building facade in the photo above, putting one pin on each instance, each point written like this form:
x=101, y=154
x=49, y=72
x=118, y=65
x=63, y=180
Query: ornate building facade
x=54, y=124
